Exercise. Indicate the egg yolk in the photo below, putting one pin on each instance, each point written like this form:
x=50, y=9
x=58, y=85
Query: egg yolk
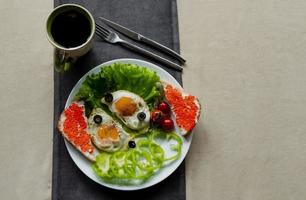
x=126, y=106
x=108, y=132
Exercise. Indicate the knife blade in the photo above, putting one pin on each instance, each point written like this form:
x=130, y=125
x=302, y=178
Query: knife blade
x=138, y=37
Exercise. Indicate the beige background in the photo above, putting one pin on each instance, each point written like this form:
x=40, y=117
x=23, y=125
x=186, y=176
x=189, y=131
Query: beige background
x=246, y=62
x=26, y=101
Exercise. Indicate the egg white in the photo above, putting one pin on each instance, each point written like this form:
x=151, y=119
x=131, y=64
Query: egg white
x=93, y=128
x=130, y=121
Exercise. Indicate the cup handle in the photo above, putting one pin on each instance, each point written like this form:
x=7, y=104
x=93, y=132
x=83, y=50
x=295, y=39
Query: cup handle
x=62, y=61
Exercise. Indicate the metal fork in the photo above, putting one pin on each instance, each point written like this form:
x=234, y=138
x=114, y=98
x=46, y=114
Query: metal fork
x=112, y=37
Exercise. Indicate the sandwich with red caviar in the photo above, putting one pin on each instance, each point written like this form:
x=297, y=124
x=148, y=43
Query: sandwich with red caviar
x=185, y=107
x=73, y=126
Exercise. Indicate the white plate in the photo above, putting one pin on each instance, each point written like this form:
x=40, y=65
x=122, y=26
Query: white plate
x=85, y=165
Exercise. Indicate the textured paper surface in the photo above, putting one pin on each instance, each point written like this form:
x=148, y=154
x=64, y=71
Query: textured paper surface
x=26, y=101
x=246, y=62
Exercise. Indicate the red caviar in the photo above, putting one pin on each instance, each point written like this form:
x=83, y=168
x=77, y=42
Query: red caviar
x=184, y=107
x=75, y=128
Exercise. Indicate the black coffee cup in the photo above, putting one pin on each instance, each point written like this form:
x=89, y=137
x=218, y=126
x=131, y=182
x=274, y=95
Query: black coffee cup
x=70, y=29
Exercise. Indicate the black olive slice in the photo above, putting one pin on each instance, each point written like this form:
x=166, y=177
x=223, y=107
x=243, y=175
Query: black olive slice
x=141, y=116
x=132, y=144
x=97, y=119
x=108, y=97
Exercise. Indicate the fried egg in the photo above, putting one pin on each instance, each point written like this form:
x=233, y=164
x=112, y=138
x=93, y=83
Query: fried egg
x=106, y=133
x=130, y=108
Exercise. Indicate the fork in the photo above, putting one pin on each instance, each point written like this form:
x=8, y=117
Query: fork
x=113, y=38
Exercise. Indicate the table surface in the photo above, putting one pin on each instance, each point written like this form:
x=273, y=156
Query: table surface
x=246, y=63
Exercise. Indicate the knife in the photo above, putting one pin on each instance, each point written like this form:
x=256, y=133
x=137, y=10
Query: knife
x=138, y=37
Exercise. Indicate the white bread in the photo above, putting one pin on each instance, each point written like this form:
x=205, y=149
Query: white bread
x=184, y=94
x=89, y=156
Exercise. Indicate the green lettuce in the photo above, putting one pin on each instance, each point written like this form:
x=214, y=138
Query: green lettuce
x=119, y=76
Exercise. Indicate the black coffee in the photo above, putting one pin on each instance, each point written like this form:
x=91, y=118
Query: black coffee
x=70, y=29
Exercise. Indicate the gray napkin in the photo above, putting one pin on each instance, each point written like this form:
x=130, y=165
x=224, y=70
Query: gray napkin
x=156, y=19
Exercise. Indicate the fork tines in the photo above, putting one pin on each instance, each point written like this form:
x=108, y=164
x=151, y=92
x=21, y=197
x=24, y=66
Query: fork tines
x=101, y=31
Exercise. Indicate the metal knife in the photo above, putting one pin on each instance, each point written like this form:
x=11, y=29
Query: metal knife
x=138, y=37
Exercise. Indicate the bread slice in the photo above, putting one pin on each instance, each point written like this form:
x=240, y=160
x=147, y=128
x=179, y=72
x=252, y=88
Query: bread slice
x=90, y=153
x=185, y=107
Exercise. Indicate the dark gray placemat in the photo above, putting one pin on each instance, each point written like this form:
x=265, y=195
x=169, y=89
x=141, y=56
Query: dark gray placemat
x=156, y=19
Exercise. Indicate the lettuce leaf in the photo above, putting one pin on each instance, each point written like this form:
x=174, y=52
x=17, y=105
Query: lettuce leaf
x=119, y=76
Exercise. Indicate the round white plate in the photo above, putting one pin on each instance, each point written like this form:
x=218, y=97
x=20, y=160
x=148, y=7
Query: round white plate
x=85, y=165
